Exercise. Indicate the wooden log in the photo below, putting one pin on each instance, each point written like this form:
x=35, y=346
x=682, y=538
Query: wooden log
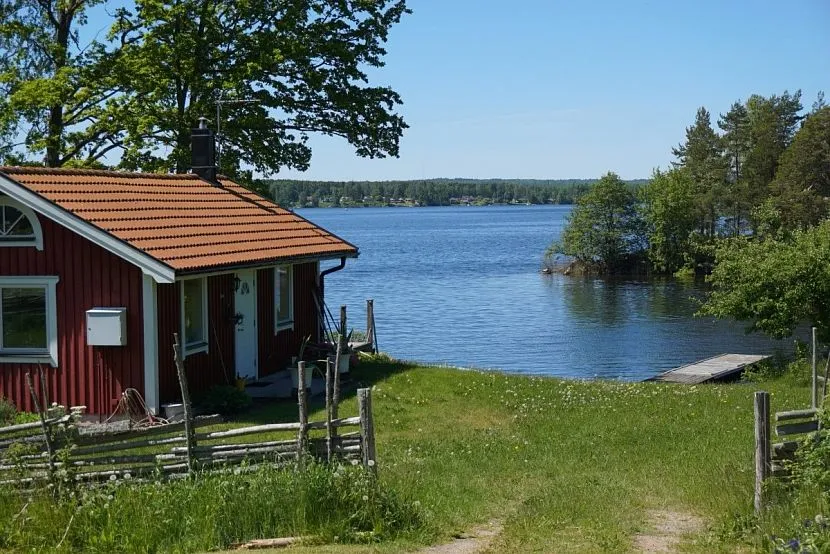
x=762, y=447
x=227, y=450
x=796, y=428
x=367, y=428
x=281, y=542
x=302, y=433
x=189, y=432
x=340, y=422
x=784, y=450
x=267, y=428
x=129, y=436
x=133, y=471
x=219, y=447
x=796, y=414
x=813, y=381
x=328, y=408
x=32, y=426
x=339, y=351
x=778, y=470
x=370, y=325
x=47, y=435
x=123, y=446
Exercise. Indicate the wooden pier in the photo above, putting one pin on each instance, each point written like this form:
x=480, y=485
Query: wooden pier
x=710, y=369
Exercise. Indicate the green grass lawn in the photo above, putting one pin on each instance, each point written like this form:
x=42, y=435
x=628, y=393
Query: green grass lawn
x=563, y=465
x=566, y=465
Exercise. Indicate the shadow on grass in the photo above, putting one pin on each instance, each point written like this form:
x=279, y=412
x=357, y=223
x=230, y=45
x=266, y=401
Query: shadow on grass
x=282, y=410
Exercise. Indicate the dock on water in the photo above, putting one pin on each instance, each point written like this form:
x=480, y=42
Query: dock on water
x=710, y=369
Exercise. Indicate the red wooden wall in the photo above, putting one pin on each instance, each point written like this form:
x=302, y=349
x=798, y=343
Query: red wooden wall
x=96, y=376
x=89, y=277
x=203, y=370
x=275, y=352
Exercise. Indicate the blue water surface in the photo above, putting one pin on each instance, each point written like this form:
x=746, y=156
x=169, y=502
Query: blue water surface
x=462, y=286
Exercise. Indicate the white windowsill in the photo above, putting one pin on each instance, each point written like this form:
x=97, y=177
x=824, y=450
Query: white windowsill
x=285, y=326
x=28, y=359
x=195, y=348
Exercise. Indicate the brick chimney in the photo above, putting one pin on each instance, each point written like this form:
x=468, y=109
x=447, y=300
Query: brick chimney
x=203, y=152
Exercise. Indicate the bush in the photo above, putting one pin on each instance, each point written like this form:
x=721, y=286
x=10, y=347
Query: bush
x=224, y=400
x=8, y=412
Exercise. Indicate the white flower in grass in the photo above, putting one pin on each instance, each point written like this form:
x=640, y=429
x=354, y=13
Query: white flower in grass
x=113, y=477
x=354, y=462
x=371, y=463
x=128, y=476
x=365, y=498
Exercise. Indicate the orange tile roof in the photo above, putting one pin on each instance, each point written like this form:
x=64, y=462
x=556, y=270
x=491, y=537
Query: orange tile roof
x=182, y=220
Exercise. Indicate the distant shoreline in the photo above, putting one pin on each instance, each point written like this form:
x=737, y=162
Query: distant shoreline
x=454, y=205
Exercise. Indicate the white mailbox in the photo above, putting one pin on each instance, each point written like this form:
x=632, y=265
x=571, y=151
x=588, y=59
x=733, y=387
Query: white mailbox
x=106, y=327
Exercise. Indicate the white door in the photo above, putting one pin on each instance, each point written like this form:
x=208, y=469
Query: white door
x=246, y=332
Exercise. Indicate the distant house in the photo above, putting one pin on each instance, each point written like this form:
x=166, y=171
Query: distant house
x=98, y=270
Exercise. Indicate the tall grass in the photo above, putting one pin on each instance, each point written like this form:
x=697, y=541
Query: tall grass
x=333, y=504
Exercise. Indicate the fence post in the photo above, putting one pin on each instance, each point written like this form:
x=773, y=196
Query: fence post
x=189, y=434
x=370, y=324
x=762, y=447
x=341, y=346
x=302, y=434
x=367, y=429
x=814, y=388
x=328, y=409
x=47, y=435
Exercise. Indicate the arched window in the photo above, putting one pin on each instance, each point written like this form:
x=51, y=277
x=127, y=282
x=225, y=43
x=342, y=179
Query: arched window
x=19, y=225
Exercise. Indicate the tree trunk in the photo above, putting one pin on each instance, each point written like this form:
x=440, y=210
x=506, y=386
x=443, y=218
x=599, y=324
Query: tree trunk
x=54, y=138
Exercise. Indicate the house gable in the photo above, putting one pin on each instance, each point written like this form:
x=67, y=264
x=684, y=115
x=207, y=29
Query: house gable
x=158, y=270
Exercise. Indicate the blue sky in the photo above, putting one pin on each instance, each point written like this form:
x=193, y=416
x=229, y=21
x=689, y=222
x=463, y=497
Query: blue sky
x=549, y=89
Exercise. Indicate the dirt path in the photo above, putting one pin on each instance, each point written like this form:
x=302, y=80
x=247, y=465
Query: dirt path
x=667, y=528
x=475, y=540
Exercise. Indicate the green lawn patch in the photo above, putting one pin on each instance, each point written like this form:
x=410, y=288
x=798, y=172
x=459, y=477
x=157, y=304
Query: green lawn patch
x=565, y=466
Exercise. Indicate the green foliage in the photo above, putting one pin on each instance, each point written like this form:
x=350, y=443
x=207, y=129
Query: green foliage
x=702, y=157
x=224, y=400
x=604, y=228
x=8, y=412
x=776, y=283
x=802, y=182
x=430, y=192
x=668, y=208
x=212, y=511
x=139, y=89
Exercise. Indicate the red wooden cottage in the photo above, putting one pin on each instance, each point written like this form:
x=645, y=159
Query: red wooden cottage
x=98, y=269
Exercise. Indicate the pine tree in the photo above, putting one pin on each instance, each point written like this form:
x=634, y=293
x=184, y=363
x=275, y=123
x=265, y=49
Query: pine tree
x=702, y=156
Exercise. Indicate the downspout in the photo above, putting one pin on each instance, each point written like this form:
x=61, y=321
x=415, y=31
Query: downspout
x=326, y=272
x=322, y=287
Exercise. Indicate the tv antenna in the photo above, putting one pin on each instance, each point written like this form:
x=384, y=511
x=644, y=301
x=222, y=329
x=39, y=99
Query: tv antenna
x=219, y=103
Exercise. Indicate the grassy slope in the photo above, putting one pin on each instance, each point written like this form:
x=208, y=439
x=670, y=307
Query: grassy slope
x=567, y=465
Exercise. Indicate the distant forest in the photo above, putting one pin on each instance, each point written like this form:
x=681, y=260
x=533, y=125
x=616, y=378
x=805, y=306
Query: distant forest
x=428, y=192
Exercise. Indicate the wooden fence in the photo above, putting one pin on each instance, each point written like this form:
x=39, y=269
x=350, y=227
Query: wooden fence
x=793, y=427
x=771, y=459
x=59, y=447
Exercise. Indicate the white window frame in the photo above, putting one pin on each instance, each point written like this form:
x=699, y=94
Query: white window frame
x=50, y=353
x=27, y=212
x=288, y=323
x=202, y=345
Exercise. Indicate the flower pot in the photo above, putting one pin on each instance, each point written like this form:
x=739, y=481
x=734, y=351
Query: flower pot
x=344, y=364
x=295, y=377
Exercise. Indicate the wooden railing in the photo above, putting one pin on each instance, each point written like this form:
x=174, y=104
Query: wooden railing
x=61, y=447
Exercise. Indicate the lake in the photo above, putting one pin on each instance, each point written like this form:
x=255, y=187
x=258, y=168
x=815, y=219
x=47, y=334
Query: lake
x=462, y=286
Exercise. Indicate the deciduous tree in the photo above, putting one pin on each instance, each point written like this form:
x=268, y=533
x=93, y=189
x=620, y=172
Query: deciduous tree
x=776, y=283
x=303, y=63
x=604, y=228
x=669, y=211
